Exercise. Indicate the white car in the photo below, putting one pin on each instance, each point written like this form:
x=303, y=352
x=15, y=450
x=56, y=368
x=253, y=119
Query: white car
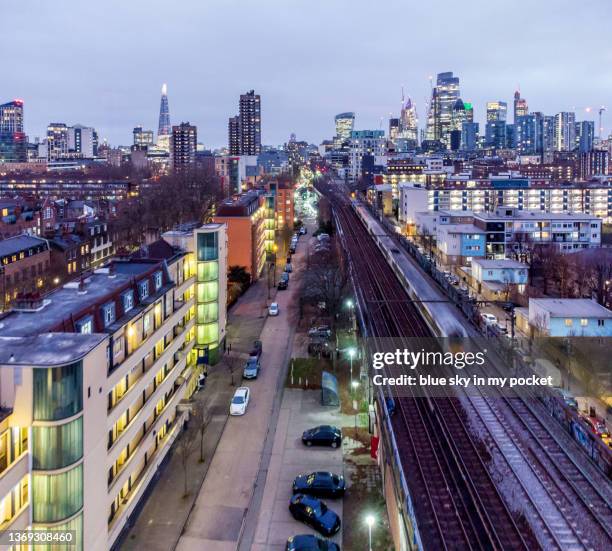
x=273, y=309
x=489, y=319
x=240, y=401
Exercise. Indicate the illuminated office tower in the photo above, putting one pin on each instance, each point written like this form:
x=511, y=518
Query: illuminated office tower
x=564, y=131
x=164, y=130
x=584, y=136
x=520, y=106
x=142, y=138
x=409, y=122
x=233, y=132
x=444, y=96
x=345, y=123
x=497, y=111
x=13, y=146
x=57, y=141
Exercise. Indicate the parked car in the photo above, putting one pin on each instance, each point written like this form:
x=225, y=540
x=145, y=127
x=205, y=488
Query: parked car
x=318, y=346
x=303, y=230
x=251, y=368
x=314, y=513
x=323, y=435
x=282, y=284
x=292, y=249
x=322, y=331
x=323, y=237
x=273, y=309
x=489, y=319
x=201, y=381
x=501, y=328
x=257, y=349
x=310, y=542
x=288, y=267
x=319, y=484
x=240, y=401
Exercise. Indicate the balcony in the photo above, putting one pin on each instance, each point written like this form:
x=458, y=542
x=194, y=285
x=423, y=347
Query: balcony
x=136, y=390
x=142, y=481
x=130, y=362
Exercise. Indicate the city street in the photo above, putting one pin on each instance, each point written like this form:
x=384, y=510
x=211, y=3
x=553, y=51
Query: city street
x=218, y=517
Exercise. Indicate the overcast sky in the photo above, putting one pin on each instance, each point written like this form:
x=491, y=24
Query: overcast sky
x=103, y=63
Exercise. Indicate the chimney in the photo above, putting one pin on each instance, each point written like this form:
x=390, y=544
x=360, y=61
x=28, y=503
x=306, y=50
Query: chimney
x=81, y=290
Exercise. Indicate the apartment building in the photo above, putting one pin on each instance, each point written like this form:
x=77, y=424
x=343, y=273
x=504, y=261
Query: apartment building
x=593, y=198
x=244, y=216
x=94, y=379
x=461, y=236
x=24, y=266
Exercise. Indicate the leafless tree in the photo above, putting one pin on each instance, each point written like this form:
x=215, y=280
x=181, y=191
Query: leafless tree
x=326, y=281
x=233, y=363
x=201, y=419
x=185, y=448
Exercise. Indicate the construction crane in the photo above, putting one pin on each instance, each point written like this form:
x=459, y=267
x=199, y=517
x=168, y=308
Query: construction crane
x=601, y=112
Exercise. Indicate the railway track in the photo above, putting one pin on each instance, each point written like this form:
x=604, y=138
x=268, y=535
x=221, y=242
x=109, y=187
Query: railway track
x=458, y=505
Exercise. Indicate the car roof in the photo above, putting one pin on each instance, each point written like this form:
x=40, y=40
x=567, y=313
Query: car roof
x=274, y=304
x=243, y=390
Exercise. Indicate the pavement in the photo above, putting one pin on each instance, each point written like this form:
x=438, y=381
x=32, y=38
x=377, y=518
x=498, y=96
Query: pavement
x=301, y=409
x=223, y=509
x=155, y=529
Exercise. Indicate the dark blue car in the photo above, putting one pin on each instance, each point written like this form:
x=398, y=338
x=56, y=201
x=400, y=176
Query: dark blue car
x=314, y=513
x=309, y=542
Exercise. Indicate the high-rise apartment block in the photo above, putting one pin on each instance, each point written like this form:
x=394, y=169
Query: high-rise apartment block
x=244, y=130
x=183, y=146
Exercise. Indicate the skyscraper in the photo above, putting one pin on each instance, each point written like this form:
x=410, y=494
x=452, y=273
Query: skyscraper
x=57, y=141
x=520, y=106
x=469, y=136
x=250, y=123
x=564, y=131
x=444, y=96
x=394, y=129
x=409, y=122
x=164, y=128
x=584, y=136
x=458, y=117
x=183, y=146
x=345, y=123
x=497, y=111
x=529, y=132
x=13, y=146
x=233, y=131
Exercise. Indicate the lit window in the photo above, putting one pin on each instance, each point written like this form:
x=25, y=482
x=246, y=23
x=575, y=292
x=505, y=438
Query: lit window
x=584, y=322
x=568, y=322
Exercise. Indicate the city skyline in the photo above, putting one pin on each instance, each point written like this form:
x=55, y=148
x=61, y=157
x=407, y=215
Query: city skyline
x=204, y=90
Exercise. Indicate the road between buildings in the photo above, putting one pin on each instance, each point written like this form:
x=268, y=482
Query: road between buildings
x=218, y=517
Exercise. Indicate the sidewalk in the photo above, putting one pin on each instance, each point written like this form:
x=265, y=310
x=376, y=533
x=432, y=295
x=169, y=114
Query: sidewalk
x=165, y=511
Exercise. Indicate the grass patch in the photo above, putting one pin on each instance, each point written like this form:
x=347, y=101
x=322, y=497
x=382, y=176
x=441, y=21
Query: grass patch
x=306, y=372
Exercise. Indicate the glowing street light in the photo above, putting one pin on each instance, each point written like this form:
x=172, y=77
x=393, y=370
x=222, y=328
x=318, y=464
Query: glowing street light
x=351, y=353
x=370, y=520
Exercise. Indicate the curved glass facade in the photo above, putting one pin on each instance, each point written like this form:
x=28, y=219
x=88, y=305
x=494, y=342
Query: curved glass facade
x=58, y=496
x=58, y=392
x=57, y=446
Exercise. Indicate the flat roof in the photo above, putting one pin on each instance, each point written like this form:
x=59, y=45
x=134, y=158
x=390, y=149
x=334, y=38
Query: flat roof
x=498, y=264
x=66, y=301
x=460, y=228
x=47, y=349
x=572, y=307
x=535, y=215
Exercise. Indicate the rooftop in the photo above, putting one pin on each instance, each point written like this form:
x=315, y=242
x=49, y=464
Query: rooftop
x=47, y=349
x=19, y=243
x=498, y=264
x=67, y=301
x=574, y=307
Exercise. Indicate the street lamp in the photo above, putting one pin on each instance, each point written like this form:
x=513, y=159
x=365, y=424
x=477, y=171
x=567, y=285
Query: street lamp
x=351, y=305
x=351, y=353
x=370, y=520
x=354, y=387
